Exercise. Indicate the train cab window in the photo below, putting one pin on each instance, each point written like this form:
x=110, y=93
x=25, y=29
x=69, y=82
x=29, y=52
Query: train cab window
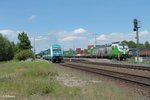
x=126, y=47
x=56, y=49
x=121, y=47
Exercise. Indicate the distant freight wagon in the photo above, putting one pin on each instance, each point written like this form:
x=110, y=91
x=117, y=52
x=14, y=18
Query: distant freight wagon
x=143, y=52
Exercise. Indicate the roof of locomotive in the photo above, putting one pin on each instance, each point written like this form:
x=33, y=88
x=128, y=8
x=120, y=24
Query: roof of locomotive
x=56, y=46
x=101, y=46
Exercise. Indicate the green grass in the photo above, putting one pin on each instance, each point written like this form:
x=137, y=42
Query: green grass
x=105, y=92
x=35, y=80
x=26, y=79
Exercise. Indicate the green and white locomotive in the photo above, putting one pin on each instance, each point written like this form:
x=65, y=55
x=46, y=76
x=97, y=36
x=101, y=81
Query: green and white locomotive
x=116, y=50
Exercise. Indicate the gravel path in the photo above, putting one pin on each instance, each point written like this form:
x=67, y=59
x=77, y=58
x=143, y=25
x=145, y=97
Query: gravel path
x=69, y=80
x=72, y=81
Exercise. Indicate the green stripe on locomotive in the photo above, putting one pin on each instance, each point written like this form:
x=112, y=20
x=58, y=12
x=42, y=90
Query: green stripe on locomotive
x=116, y=52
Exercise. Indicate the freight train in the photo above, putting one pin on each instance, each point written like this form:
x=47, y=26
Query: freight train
x=143, y=52
x=115, y=50
x=54, y=53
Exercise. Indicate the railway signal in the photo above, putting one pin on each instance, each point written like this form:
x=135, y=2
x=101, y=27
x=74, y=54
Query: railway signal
x=135, y=24
x=136, y=29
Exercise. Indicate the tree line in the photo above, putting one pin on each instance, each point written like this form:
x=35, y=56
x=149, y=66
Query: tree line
x=132, y=44
x=20, y=51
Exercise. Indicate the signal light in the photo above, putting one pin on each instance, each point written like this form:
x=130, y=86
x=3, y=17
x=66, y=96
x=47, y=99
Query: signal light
x=135, y=23
x=134, y=29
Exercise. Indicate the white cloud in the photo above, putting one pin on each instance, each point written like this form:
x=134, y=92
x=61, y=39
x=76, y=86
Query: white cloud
x=10, y=34
x=38, y=39
x=144, y=33
x=71, y=38
x=79, y=31
x=7, y=32
x=77, y=34
x=114, y=37
x=68, y=38
x=32, y=17
x=102, y=37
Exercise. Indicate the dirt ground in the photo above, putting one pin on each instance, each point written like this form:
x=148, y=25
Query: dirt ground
x=71, y=77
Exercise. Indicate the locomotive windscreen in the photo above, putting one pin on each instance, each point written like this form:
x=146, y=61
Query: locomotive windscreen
x=56, y=49
x=123, y=46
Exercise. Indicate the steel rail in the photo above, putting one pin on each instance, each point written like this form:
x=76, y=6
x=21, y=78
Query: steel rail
x=124, y=76
x=130, y=66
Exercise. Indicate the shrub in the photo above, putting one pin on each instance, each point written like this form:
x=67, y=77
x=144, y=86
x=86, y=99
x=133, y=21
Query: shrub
x=6, y=49
x=24, y=55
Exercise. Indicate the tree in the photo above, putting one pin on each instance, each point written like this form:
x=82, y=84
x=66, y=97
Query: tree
x=24, y=41
x=24, y=54
x=16, y=47
x=147, y=45
x=131, y=44
x=6, y=49
x=23, y=48
x=141, y=45
x=126, y=42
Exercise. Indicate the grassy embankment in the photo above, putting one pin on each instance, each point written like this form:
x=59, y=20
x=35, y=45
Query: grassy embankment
x=30, y=80
x=37, y=81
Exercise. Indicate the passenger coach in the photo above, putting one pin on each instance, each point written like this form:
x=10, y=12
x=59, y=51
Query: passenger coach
x=54, y=53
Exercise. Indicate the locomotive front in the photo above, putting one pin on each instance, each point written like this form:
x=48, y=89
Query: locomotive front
x=123, y=51
x=56, y=52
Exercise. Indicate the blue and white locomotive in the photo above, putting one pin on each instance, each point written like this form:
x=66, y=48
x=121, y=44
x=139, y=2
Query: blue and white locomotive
x=54, y=53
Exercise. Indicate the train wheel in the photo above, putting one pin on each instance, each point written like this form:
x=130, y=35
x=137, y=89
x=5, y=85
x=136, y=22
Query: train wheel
x=53, y=60
x=59, y=61
x=121, y=58
x=125, y=58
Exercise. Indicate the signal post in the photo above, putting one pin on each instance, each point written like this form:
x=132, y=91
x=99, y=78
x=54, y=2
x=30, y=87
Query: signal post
x=136, y=29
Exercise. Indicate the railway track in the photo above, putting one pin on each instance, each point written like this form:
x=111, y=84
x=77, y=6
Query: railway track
x=142, y=80
x=121, y=65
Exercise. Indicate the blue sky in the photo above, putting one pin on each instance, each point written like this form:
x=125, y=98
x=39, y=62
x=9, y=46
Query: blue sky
x=73, y=22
